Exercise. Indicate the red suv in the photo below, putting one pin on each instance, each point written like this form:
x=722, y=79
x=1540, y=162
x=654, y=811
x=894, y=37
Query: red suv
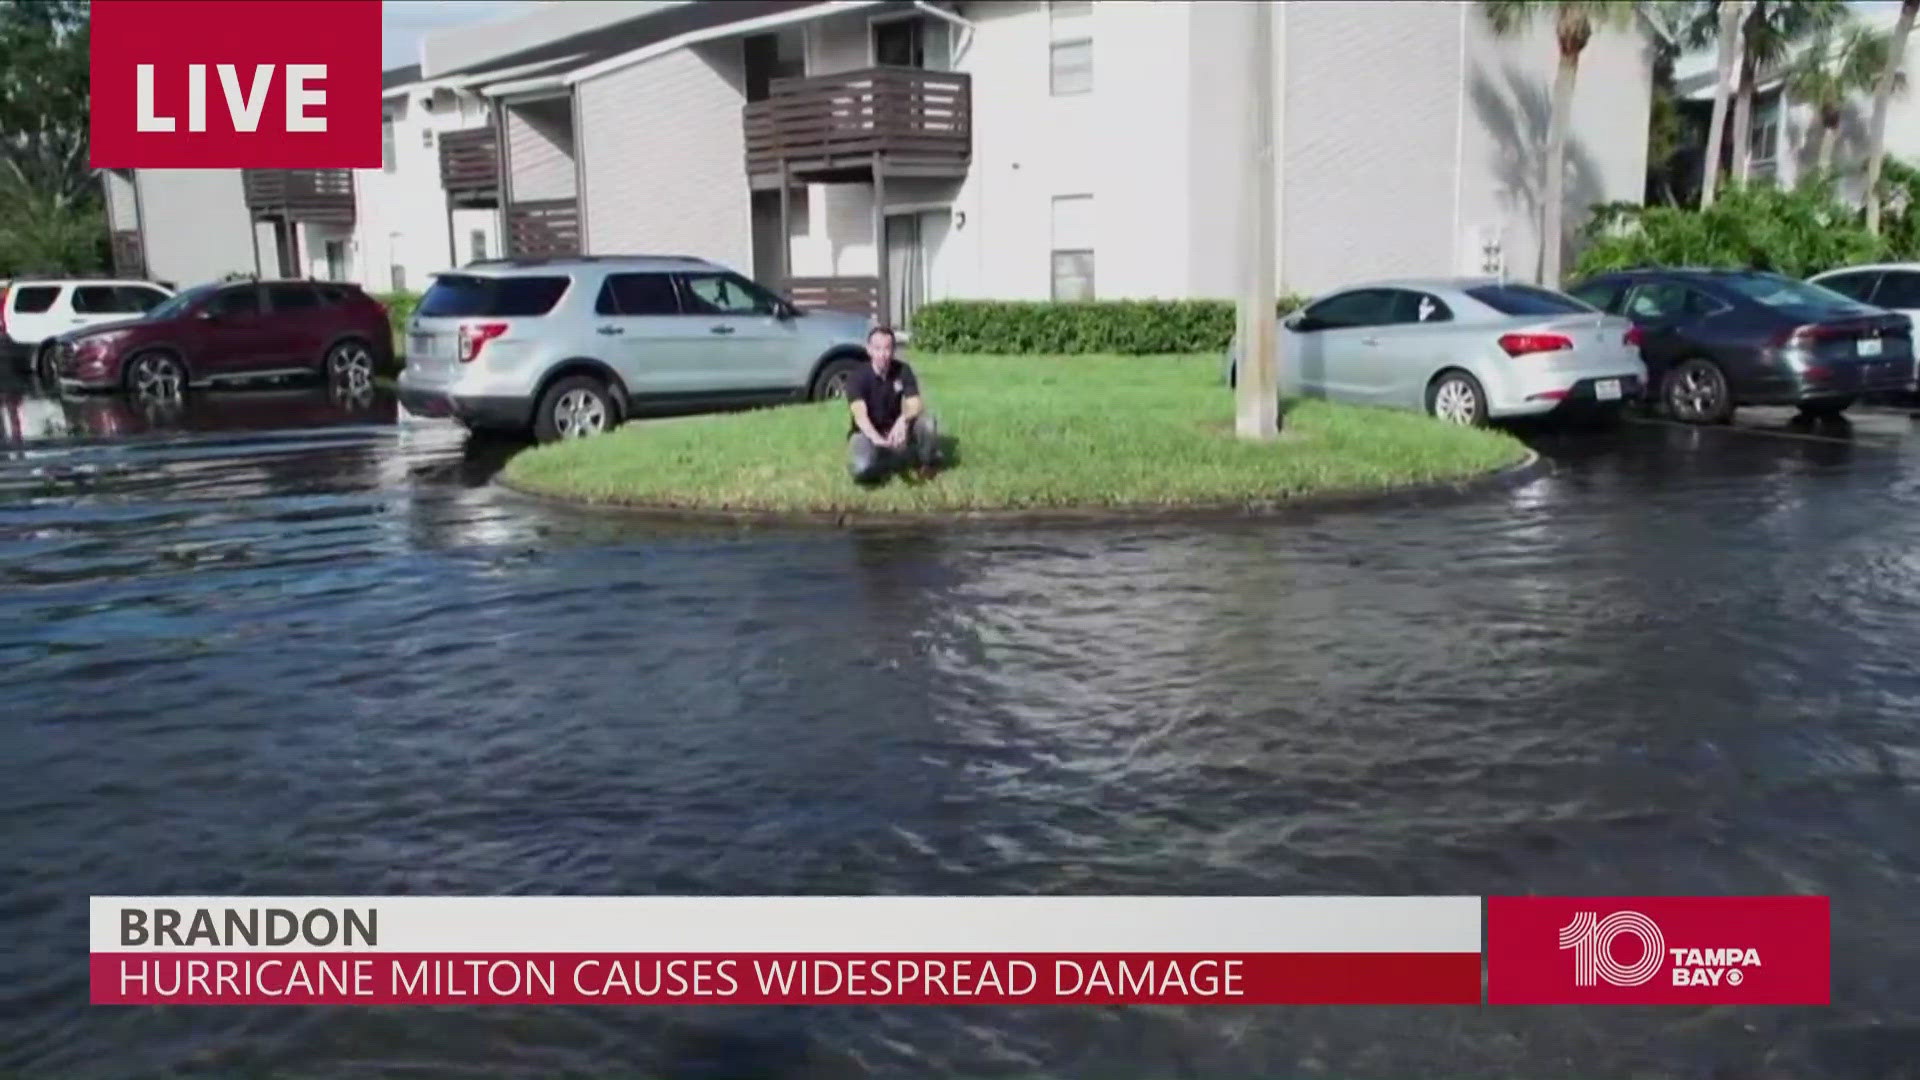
x=232, y=330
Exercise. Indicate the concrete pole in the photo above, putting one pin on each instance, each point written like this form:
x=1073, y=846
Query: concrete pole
x=1257, y=404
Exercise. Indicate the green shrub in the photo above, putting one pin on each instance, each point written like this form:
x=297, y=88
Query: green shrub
x=1761, y=227
x=1131, y=327
x=400, y=307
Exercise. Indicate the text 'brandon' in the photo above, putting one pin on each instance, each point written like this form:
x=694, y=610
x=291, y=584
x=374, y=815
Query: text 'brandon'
x=200, y=927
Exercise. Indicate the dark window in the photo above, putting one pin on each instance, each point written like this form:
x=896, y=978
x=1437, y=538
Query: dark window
x=136, y=298
x=291, y=297
x=1898, y=289
x=99, y=300
x=244, y=300
x=1658, y=300
x=1363, y=307
x=1776, y=291
x=34, y=299
x=334, y=294
x=1419, y=307
x=637, y=294
x=1604, y=295
x=457, y=296
x=724, y=294
x=1511, y=299
x=1857, y=285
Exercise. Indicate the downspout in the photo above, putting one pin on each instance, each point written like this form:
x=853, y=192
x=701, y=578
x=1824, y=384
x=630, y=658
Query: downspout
x=140, y=224
x=579, y=166
x=1280, y=82
x=1460, y=142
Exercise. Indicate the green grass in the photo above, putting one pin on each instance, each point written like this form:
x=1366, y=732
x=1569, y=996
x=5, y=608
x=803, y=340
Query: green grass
x=1026, y=433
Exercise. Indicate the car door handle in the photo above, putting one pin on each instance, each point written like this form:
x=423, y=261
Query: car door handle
x=723, y=329
x=1369, y=341
x=612, y=330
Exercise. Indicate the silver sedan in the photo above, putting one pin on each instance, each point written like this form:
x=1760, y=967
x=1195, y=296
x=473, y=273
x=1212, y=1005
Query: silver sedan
x=1464, y=350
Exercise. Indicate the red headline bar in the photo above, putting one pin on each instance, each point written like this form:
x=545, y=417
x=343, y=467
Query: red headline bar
x=382, y=978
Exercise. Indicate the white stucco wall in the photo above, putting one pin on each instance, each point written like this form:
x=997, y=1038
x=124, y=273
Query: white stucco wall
x=665, y=164
x=196, y=226
x=401, y=216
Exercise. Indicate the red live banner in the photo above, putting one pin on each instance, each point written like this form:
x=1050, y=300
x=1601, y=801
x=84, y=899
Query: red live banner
x=1659, y=950
x=391, y=978
x=292, y=84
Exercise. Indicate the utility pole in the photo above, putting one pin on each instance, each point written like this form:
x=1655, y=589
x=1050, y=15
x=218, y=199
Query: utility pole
x=1257, y=378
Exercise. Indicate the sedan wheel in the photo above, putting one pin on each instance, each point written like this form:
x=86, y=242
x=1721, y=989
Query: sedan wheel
x=1696, y=392
x=1456, y=398
x=155, y=375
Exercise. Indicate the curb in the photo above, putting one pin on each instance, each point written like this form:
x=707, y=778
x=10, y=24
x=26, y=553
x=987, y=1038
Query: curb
x=1442, y=492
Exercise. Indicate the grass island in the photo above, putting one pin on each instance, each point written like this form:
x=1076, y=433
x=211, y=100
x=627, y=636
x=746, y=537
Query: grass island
x=1033, y=434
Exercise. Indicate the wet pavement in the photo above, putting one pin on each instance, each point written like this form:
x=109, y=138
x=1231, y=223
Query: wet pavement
x=275, y=642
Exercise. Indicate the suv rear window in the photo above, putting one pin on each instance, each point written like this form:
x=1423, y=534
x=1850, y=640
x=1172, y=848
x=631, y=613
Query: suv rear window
x=1528, y=300
x=34, y=299
x=459, y=296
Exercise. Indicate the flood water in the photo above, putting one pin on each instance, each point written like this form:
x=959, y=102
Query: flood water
x=276, y=643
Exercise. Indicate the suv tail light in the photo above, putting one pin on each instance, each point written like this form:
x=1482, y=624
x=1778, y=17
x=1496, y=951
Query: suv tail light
x=1522, y=344
x=3, y=308
x=474, y=337
x=1634, y=337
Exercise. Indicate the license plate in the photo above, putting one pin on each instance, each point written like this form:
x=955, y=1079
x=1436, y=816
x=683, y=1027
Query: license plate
x=1607, y=390
x=1869, y=346
x=422, y=346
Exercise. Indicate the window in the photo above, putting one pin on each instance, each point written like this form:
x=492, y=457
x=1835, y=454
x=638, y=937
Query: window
x=1899, y=290
x=1071, y=56
x=1362, y=307
x=1857, y=285
x=1419, y=307
x=1775, y=291
x=387, y=162
x=1511, y=299
x=292, y=297
x=336, y=260
x=456, y=296
x=1604, y=295
x=241, y=300
x=1073, y=247
x=333, y=294
x=1655, y=301
x=136, y=298
x=724, y=294
x=1763, y=139
x=99, y=300
x=34, y=299
x=637, y=294
x=426, y=138
x=477, y=244
x=180, y=301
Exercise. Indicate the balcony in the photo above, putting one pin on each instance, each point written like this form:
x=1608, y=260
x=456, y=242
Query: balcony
x=853, y=126
x=854, y=295
x=129, y=254
x=542, y=229
x=470, y=166
x=322, y=196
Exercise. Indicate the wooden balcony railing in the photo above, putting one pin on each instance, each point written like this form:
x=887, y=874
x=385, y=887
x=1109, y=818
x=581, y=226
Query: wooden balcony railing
x=318, y=195
x=129, y=254
x=544, y=229
x=856, y=295
x=920, y=120
x=470, y=163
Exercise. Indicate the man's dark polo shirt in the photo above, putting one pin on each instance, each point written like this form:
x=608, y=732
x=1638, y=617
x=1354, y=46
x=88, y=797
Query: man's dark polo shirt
x=884, y=395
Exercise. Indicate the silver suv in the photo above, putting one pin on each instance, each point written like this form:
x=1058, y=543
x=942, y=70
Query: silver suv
x=571, y=347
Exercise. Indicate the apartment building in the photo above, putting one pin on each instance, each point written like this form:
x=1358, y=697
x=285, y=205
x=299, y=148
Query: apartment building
x=877, y=154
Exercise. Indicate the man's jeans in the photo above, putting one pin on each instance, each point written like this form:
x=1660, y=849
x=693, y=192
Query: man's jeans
x=868, y=462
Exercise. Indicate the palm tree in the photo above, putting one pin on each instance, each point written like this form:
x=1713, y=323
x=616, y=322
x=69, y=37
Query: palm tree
x=1731, y=14
x=1830, y=73
x=1769, y=31
x=1882, y=95
x=1574, y=24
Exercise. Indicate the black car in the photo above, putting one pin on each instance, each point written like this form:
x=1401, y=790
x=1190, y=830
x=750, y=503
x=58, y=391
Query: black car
x=1714, y=340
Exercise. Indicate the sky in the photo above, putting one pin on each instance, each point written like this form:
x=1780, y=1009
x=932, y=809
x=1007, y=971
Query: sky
x=405, y=22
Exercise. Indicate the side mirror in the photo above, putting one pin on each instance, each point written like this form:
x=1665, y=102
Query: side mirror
x=205, y=315
x=1301, y=324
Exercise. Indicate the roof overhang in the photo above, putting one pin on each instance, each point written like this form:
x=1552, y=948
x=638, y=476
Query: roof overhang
x=694, y=37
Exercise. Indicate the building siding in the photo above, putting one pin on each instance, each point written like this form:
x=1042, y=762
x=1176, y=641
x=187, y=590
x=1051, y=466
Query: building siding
x=540, y=142
x=665, y=160
x=123, y=211
x=197, y=227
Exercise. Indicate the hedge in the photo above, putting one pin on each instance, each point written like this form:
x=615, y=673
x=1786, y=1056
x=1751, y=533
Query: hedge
x=1132, y=327
x=400, y=307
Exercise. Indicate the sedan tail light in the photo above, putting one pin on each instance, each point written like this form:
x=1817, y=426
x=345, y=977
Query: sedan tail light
x=1522, y=344
x=1801, y=335
x=1634, y=337
x=474, y=337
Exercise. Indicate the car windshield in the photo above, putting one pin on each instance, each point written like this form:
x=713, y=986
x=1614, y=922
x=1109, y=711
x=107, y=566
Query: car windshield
x=1784, y=292
x=178, y=302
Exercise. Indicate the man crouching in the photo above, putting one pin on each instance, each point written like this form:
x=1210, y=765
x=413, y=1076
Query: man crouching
x=891, y=428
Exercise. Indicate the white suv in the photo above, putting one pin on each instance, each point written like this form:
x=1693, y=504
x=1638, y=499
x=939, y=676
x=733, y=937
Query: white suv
x=571, y=347
x=34, y=312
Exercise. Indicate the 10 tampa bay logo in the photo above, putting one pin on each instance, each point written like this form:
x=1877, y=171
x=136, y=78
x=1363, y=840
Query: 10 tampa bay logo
x=1600, y=947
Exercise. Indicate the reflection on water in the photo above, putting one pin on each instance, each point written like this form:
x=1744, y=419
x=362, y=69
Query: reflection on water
x=28, y=418
x=324, y=656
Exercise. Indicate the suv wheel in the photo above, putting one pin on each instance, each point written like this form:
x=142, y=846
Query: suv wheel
x=156, y=375
x=350, y=361
x=832, y=380
x=573, y=408
x=43, y=368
